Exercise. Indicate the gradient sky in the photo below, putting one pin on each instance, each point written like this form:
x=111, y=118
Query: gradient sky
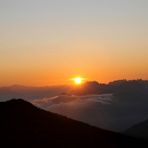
x=46, y=42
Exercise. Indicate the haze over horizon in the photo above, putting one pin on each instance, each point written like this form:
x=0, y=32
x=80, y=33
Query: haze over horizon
x=48, y=42
x=70, y=84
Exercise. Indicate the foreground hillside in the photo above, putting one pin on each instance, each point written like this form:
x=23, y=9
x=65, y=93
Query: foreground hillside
x=139, y=130
x=24, y=125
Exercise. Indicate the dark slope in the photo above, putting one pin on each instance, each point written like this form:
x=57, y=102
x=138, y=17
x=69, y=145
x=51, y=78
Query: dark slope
x=139, y=130
x=24, y=125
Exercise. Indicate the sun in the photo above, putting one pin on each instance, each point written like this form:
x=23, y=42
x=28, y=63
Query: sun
x=78, y=80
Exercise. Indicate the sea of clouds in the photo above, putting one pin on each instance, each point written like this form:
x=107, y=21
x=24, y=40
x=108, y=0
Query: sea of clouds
x=99, y=110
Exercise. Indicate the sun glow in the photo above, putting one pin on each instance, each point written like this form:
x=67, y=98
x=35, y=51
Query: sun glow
x=78, y=80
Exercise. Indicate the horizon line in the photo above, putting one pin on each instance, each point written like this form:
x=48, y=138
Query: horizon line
x=59, y=85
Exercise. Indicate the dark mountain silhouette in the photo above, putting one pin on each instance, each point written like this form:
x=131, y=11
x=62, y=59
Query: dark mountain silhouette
x=24, y=125
x=139, y=130
x=121, y=88
x=130, y=90
x=91, y=87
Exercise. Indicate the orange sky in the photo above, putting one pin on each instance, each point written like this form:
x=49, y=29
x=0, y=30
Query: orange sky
x=48, y=42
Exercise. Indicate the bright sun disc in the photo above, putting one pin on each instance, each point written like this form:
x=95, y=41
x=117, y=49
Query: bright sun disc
x=78, y=80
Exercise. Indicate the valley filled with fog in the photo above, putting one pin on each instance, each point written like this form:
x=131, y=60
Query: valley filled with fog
x=99, y=110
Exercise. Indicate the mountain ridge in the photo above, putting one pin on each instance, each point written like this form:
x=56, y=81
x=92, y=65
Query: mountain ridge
x=139, y=130
x=24, y=125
